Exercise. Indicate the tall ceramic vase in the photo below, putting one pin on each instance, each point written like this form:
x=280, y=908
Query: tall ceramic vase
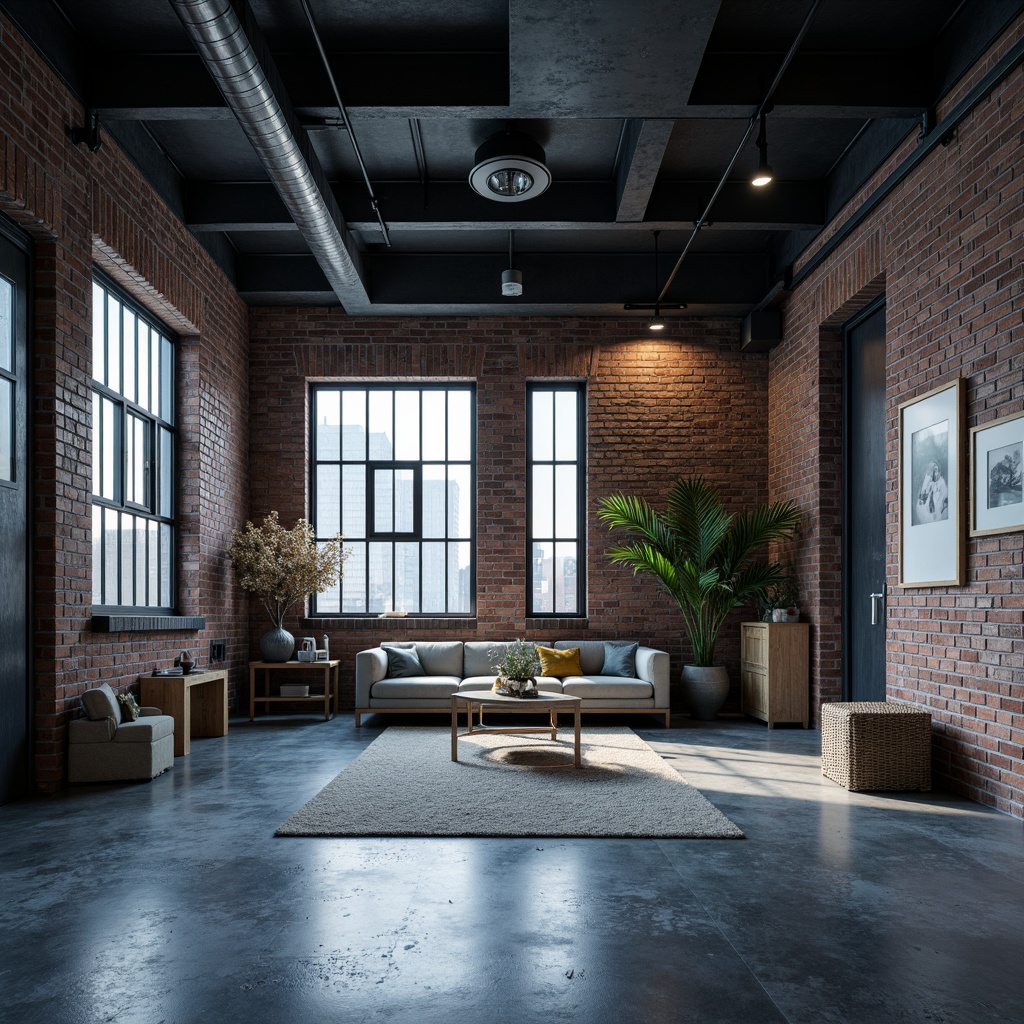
x=705, y=688
x=277, y=644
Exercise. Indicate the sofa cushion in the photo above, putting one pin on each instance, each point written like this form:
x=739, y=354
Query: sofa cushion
x=482, y=656
x=487, y=683
x=415, y=688
x=558, y=664
x=101, y=703
x=145, y=730
x=403, y=662
x=619, y=658
x=607, y=687
x=438, y=657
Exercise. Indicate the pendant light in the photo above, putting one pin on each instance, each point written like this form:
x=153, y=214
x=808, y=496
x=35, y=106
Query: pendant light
x=656, y=323
x=764, y=174
x=511, y=279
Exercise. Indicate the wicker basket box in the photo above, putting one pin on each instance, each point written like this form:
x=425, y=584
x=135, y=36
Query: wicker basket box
x=880, y=746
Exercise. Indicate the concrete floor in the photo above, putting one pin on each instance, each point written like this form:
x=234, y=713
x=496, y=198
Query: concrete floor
x=172, y=902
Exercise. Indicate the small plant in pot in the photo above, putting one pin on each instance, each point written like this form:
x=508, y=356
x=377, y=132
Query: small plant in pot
x=779, y=603
x=708, y=559
x=517, y=668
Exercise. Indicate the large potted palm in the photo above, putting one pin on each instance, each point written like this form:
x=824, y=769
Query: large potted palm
x=709, y=559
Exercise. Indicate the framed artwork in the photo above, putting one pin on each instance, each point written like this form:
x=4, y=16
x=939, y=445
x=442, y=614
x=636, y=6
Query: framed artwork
x=997, y=497
x=931, y=484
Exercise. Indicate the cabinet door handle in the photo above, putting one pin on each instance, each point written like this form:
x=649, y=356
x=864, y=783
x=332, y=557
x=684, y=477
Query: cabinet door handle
x=875, y=598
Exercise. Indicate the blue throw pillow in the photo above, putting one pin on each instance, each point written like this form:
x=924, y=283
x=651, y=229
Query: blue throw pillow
x=619, y=658
x=403, y=661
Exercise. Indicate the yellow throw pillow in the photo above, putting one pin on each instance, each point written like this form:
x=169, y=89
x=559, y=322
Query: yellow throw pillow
x=559, y=664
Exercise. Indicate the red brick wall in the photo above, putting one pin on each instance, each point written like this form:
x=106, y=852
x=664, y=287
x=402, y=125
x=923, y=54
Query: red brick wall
x=83, y=209
x=946, y=247
x=689, y=403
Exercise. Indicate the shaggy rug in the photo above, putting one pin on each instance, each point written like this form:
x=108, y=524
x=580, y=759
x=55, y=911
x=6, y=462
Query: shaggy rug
x=405, y=784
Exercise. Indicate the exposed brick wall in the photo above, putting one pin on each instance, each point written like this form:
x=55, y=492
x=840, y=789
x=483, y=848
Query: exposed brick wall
x=83, y=209
x=689, y=403
x=946, y=248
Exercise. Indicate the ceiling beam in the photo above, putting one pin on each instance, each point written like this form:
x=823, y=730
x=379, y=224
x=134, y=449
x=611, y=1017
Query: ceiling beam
x=640, y=156
x=174, y=87
x=882, y=84
x=566, y=206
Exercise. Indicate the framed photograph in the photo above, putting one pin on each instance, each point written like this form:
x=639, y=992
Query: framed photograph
x=997, y=495
x=932, y=544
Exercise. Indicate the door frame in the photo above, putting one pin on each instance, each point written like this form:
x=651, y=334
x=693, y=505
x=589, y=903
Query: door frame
x=12, y=234
x=849, y=325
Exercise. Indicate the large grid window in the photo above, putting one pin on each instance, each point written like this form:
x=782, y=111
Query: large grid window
x=132, y=456
x=555, y=499
x=393, y=472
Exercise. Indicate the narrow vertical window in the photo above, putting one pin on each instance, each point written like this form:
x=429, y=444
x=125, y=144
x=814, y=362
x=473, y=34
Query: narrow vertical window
x=556, y=480
x=132, y=455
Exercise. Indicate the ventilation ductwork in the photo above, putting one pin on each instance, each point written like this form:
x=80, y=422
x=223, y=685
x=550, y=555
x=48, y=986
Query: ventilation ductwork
x=228, y=54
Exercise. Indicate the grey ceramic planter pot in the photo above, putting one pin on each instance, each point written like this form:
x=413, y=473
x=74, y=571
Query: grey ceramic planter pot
x=705, y=688
x=277, y=644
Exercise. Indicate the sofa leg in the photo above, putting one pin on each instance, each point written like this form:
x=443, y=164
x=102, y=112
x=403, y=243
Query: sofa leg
x=358, y=719
x=667, y=719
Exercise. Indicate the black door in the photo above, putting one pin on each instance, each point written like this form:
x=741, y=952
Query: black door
x=864, y=506
x=14, y=536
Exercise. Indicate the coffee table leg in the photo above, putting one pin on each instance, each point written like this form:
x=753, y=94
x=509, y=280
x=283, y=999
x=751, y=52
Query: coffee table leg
x=577, y=737
x=554, y=725
x=455, y=731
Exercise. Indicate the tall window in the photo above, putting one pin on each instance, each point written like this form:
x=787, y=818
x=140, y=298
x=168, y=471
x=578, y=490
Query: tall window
x=393, y=471
x=132, y=455
x=556, y=499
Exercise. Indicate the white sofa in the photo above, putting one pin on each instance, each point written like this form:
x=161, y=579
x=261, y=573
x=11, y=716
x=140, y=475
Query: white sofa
x=450, y=666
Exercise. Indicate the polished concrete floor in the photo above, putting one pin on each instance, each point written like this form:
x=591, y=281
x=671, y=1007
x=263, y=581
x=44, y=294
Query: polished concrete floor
x=172, y=902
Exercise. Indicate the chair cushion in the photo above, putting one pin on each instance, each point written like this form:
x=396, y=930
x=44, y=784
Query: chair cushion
x=403, y=662
x=619, y=658
x=101, y=703
x=558, y=664
x=145, y=730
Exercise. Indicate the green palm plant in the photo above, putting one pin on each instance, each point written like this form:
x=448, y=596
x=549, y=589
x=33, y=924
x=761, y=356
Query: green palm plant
x=702, y=554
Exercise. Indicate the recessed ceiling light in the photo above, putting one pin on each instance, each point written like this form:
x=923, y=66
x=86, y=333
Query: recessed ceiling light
x=509, y=168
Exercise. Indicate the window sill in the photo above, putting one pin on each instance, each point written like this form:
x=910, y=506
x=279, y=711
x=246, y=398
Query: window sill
x=128, y=623
x=401, y=624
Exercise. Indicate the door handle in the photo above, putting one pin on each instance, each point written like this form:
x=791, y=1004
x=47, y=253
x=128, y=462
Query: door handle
x=875, y=598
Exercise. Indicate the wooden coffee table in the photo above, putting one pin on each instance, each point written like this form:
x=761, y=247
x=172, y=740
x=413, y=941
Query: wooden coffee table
x=551, y=703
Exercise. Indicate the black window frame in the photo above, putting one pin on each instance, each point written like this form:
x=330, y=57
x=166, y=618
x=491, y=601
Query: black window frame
x=580, y=389
x=394, y=537
x=156, y=506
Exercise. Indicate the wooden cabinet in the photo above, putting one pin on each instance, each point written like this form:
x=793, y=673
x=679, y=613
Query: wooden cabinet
x=773, y=669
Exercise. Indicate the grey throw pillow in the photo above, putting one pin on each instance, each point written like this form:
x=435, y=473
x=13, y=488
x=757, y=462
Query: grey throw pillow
x=619, y=658
x=403, y=662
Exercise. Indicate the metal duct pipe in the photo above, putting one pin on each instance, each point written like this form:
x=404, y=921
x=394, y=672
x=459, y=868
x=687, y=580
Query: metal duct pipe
x=228, y=54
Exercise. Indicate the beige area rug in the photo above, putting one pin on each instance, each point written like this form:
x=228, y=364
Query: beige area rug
x=406, y=784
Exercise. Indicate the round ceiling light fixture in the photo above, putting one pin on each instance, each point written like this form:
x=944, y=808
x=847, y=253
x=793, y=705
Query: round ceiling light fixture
x=509, y=168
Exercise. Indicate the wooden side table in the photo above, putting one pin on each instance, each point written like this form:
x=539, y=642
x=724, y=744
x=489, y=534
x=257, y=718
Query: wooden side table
x=198, y=703
x=328, y=669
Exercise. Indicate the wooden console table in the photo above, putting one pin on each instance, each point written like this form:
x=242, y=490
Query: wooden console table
x=198, y=703
x=328, y=669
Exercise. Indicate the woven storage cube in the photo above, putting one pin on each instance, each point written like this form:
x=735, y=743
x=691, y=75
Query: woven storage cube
x=880, y=746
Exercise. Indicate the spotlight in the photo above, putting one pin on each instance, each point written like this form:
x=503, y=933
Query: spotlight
x=509, y=167
x=764, y=174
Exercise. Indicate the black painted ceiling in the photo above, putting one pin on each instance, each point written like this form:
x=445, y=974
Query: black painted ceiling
x=639, y=106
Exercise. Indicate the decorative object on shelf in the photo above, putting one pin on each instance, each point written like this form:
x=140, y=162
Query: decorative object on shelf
x=779, y=603
x=307, y=651
x=516, y=667
x=186, y=661
x=932, y=547
x=704, y=557
x=282, y=567
x=997, y=484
